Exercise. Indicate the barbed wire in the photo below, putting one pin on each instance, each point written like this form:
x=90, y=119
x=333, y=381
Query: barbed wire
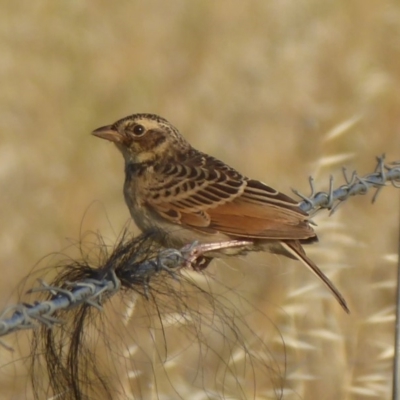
x=134, y=262
x=355, y=185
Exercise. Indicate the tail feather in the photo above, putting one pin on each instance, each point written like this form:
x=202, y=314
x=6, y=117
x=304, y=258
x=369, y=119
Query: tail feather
x=294, y=248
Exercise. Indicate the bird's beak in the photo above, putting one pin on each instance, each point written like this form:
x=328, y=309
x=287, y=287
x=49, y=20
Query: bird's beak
x=108, y=133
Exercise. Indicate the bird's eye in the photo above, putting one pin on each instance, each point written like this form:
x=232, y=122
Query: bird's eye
x=138, y=130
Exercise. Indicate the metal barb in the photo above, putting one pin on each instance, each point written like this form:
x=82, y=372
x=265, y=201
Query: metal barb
x=380, y=167
x=307, y=199
x=350, y=181
x=330, y=198
x=54, y=290
x=375, y=196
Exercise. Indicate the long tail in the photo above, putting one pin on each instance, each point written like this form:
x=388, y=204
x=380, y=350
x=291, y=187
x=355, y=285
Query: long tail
x=295, y=249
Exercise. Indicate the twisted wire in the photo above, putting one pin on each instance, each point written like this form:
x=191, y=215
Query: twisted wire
x=137, y=275
x=355, y=185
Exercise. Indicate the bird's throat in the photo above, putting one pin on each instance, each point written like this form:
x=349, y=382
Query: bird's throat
x=137, y=169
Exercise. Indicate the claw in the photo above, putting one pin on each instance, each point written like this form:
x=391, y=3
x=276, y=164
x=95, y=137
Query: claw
x=194, y=254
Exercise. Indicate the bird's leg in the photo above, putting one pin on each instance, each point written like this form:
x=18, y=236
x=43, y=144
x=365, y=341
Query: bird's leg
x=195, y=254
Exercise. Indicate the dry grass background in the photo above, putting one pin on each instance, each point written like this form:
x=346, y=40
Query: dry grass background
x=259, y=84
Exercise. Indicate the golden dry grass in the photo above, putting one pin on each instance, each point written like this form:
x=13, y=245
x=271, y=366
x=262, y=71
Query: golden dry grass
x=264, y=85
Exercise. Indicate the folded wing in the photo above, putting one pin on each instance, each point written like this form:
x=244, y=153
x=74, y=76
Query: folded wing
x=207, y=195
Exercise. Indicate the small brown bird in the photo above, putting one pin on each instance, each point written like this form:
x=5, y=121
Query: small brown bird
x=190, y=196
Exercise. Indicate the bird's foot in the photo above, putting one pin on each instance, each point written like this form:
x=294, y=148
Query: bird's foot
x=195, y=253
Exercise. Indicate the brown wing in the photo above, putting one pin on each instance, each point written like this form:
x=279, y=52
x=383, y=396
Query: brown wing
x=205, y=194
x=262, y=212
x=184, y=190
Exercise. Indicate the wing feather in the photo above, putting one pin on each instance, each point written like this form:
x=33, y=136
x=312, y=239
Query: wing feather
x=203, y=193
x=194, y=186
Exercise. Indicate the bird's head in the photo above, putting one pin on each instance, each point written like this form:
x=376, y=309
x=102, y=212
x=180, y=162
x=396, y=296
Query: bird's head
x=142, y=138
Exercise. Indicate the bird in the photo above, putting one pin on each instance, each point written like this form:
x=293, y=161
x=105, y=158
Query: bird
x=188, y=196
